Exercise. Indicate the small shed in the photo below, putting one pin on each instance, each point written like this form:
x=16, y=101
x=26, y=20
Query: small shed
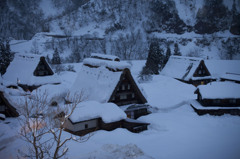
x=190, y=70
x=30, y=71
x=218, y=98
x=92, y=116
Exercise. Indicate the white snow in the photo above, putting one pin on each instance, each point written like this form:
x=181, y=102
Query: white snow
x=181, y=67
x=217, y=68
x=105, y=63
x=197, y=105
x=220, y=90
x=104, y=56
x=96, y=83
x=231, y=76
x=109, y=112
x=55, y=93
x=175, y=130
x=21, y=71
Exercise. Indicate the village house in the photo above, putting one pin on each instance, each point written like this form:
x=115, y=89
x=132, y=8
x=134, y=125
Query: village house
x=217, y=98
x=224, y=70
x=91, y=116
x=190, y=70
x=233, y=77
x=109, y=81
x=30, y=72
x=6, y=107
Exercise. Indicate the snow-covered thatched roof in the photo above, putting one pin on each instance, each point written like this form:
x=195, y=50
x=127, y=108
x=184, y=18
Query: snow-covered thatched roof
x=220, y=90
x=231, y=77
x=181, y=67
x=53, y=93
x=105, y=57
x=108, y=112
x=96, y=83
x=218, y=68
x=21, y=70
x=112, y=65
x=98, y=78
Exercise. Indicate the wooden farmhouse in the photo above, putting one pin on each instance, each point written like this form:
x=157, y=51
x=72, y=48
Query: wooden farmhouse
x=30, y=72
x=109, y=81
x=6, y=108
x=187, y=69
x=233, y=77
x=91, y=116
x=217, y=98
x=224, y=70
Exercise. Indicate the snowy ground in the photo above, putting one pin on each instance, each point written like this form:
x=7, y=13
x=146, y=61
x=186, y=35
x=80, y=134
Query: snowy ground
x=176, y=131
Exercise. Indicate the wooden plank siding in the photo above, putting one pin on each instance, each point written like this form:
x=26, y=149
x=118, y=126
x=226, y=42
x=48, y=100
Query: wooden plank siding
x=127, y=91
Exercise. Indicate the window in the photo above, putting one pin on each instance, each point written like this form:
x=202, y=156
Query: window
x=123, y=87
x=203, y=71
x=133, y=95
x=233, y=101
x=199, y=72
x=217, y=101
x=86, y=126
x=129, y=86
x=123, y=96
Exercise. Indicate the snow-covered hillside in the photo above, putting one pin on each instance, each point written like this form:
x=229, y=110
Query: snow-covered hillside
x=123, y=28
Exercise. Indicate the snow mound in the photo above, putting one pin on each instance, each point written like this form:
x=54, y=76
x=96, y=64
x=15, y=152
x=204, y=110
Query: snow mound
x=109, y=112
x=109, y=151
x=220, y=90
x=106, y=63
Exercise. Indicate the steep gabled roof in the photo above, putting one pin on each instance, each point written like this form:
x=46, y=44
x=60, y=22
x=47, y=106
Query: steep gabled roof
x=218, y=68
x=11, y=111
x=231, y=76
x=98, y=79
x=182, y=68
x=105, y=57
x=21, y=70
x=219, y=90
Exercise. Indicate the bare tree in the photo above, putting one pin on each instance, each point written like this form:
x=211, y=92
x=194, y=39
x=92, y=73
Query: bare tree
x=42, y=126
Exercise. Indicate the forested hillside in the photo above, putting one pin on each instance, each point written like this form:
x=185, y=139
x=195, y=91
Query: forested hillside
x=125, y=27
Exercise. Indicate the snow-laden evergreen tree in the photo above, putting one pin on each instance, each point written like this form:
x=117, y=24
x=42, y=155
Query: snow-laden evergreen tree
x=56, y=58
x=235, y=23
x=6, y=56
x=155, y=58
x=167, y=55
x=48, y=59
x=176, y=50
x=144, y=75
x=212, y=17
